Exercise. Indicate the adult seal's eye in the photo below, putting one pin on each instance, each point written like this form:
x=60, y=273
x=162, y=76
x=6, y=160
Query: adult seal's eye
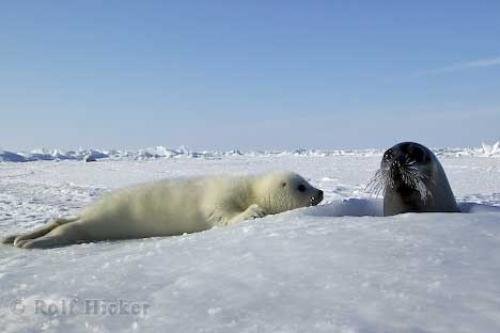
x=388, y=154
x=301, y=188
x=418, y=154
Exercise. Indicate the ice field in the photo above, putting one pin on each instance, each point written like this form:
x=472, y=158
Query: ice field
x=336, y=267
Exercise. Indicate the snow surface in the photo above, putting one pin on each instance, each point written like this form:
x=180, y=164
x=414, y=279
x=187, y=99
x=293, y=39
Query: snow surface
x=337, y=267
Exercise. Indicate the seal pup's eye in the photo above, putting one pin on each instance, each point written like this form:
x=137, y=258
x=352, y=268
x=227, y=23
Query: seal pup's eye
x=301, y=188
x=283, y=184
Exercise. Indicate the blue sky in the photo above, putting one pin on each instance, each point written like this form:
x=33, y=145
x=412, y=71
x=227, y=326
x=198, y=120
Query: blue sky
x=248, y=74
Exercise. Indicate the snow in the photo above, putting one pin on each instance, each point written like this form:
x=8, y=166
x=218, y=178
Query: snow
x=337, y=267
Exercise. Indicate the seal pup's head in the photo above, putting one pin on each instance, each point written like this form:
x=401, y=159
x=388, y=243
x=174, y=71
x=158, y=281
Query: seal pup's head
x=281, y=191
x=412, y=180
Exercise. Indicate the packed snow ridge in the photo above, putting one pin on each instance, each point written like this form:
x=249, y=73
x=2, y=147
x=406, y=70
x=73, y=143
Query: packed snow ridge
x=89, y=155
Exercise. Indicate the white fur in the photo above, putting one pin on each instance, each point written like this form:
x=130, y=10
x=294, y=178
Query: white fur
x=173, y=207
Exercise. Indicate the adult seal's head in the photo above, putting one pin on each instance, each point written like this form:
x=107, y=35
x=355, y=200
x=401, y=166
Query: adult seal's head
x=413, y=180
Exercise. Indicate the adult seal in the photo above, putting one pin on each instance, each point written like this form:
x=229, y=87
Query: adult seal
x=413, y=180
x=174, y=207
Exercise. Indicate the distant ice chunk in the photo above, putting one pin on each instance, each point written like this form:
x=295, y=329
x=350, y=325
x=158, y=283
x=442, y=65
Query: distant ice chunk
x=7, y=156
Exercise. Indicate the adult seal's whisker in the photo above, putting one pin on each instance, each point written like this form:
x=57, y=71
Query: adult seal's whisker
x=377, y=183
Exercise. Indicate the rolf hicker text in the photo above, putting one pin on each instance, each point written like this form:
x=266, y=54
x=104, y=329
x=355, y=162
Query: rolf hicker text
x=77, y=306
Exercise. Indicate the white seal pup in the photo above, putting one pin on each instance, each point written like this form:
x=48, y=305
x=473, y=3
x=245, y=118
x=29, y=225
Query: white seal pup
x=174, y=207
x=413, y=180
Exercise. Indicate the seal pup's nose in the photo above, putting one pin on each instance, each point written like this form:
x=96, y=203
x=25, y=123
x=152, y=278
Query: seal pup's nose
x=317, y=198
